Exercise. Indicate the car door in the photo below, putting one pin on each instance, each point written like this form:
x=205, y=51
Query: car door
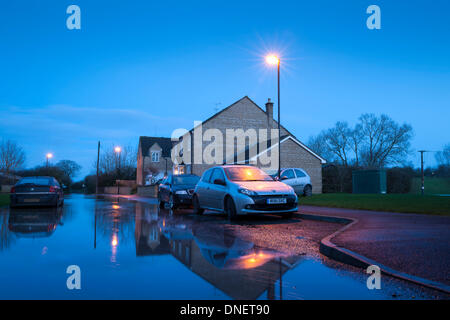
x=301, y=181
x=217, y=192
x=202, y=189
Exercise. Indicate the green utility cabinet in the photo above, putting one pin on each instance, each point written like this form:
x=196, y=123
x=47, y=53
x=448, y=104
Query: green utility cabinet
x=369, y=181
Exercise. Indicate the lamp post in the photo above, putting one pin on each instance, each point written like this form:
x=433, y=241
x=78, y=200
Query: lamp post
x=118, y=150
x=274, y=60
x=48, y=156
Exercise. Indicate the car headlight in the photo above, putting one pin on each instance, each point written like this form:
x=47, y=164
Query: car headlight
x=247, y=192
x=181, y=192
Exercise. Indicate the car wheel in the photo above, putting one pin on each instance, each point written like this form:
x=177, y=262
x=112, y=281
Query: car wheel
x=307, y=191
x=160, y=202
x=230, y=209
x=197, y=209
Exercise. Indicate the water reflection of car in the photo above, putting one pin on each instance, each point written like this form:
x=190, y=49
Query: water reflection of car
x=219, y=247
x=239, y=189
x=176, y=190
x=37, y=191
x=34, y=223
x=232, y=252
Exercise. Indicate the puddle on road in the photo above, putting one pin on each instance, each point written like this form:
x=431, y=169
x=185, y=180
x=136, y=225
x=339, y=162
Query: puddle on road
x=130, y=250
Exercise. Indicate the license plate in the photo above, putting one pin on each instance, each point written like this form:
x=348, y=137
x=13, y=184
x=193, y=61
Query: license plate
x=276, y=200
x=31, y=200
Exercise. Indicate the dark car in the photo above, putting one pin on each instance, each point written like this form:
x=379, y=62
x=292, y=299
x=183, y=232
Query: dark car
x=37, y=191
x=176, y=190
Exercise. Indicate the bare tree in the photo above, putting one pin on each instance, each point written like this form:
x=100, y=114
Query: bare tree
x=356, y=136
x=373, y=142
x=319, y=145
x=338, y=141
x=443, y=157
x=70, y=168
x=383, y=141
x=12, y=156
x=111, y=161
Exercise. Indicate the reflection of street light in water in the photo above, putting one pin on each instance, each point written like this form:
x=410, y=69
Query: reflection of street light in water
x=114, y=241
x=114, y=244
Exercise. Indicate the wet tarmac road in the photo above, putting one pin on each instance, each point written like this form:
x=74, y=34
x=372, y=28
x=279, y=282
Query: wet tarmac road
x=133, y=250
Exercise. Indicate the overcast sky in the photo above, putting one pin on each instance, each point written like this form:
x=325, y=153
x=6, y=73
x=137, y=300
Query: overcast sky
x=149, y=67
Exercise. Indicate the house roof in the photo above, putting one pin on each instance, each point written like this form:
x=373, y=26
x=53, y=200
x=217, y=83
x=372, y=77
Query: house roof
x=231, y=105
x=145, y=144
x=283, y=138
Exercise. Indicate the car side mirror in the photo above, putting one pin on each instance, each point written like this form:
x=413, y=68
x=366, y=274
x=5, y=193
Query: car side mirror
x=283, y=178
x=219, y=182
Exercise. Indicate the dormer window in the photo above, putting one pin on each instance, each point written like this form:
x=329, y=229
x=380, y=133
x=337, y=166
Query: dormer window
x=155, y=156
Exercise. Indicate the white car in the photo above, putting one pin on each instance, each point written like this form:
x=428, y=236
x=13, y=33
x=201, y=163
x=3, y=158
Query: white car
x=298, y=179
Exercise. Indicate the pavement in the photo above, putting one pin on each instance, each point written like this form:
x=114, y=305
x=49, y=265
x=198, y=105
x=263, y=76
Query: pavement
x=415, y=244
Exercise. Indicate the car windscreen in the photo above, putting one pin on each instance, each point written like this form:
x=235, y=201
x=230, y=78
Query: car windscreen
x=38, y=181
x=247, y=174
x=185, y=180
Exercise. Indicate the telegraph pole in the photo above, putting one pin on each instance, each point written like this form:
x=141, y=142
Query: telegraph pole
x=421, y=170
x=98, y=160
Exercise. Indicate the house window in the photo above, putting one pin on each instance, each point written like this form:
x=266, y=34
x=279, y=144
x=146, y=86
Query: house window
x=155, y=156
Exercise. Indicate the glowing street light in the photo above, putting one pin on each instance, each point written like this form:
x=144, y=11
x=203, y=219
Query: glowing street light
x=118, y=150
x=48, y=156
x=275, y=60
x=272, y=59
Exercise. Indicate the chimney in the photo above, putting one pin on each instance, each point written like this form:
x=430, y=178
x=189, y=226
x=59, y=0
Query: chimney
x=269, y=112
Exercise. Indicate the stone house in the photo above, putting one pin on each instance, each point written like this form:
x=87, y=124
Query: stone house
x=245, y=114
x=153, y=157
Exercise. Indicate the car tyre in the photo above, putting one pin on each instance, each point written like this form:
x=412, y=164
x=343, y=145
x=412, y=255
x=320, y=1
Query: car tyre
x=307, y=191
x=230, y=209
x=196, y=204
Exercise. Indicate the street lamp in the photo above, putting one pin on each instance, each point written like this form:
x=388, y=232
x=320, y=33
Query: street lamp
x=48, y=156
x=118, y=150
x=275, y=60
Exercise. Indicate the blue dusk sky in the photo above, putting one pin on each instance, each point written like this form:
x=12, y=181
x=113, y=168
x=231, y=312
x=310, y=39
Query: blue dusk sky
x=149, y=67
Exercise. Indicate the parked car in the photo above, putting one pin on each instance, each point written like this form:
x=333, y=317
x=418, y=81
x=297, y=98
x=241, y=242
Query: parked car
x=176, y=190
x=240, y=189
x=37, y=191
x=298, y=179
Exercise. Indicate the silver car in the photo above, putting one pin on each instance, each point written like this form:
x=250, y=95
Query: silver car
x=298, y=179
x=239, y=189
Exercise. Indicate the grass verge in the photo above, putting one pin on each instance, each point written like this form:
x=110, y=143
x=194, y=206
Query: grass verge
x=407, y=203
x=432, y=185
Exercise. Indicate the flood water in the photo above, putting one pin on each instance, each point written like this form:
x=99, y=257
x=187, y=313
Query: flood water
x=133, y=250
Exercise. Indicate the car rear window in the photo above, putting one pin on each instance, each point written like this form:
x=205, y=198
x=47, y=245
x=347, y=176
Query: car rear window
x=39, y=181
x=299, y=173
